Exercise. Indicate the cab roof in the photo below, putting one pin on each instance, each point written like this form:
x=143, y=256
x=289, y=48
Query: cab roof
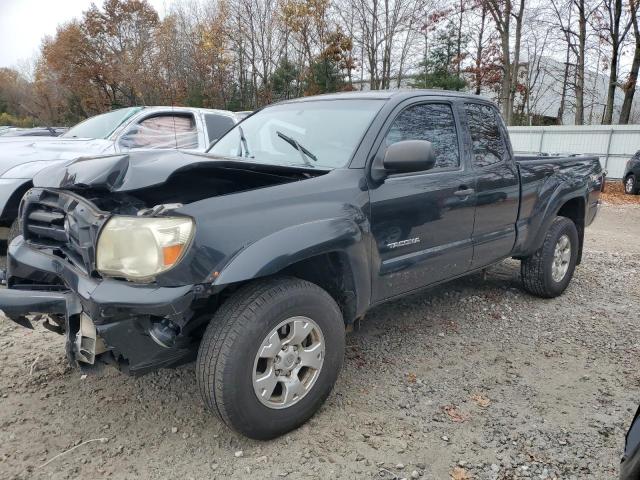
x=387, y=95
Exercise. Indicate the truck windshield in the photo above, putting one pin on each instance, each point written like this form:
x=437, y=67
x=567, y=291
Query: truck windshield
x=103, y=125
x=319, y=133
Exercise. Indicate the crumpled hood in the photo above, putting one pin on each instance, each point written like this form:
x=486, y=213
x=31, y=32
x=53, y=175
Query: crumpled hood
x=19, y=150
x=139, y=169
x=117, y=173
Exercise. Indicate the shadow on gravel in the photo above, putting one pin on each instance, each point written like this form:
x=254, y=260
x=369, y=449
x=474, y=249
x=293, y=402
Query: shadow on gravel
x=503, y=276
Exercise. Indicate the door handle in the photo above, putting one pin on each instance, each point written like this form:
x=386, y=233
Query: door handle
x=465, y=192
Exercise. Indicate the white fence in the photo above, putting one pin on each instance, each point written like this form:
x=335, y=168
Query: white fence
x=614, y=144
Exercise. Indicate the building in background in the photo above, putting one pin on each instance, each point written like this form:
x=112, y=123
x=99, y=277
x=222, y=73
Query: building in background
x=544, y=79
x=539, y=96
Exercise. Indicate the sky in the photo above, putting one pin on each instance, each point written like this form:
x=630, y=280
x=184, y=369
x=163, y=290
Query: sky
x=23, y=23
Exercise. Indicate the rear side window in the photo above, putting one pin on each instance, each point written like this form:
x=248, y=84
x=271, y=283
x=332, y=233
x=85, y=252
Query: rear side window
x=489, y=146
x=162, y=131
x=433, y=122
x=217, y=125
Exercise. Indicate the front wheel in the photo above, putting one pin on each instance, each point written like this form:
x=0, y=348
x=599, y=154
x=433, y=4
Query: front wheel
x=630, y=185
x=549, y=270
x=270, y=356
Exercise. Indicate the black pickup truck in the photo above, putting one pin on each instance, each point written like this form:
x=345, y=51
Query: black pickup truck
x=256, y=257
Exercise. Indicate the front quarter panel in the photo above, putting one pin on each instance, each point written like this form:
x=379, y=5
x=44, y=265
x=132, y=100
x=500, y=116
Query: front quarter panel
x=275, y=252
x=256, y=233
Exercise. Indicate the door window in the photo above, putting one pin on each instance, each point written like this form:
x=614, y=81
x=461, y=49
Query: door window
x=489, y=146
x=433, y=122
x=217, y=125
x=162, y=131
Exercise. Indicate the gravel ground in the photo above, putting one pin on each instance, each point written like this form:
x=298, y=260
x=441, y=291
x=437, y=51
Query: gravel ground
x=474, y=379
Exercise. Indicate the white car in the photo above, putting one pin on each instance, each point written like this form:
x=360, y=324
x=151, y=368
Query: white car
x=118, y=131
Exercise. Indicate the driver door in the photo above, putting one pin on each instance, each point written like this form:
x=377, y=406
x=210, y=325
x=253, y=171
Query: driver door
x=422, y=222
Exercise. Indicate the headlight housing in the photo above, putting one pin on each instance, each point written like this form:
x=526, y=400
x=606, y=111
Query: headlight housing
x=139, y=248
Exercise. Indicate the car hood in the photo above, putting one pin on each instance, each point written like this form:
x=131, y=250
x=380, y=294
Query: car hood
x=136, y=170
x=19, y=150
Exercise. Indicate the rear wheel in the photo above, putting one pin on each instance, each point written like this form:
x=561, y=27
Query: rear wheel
x=549, y=270
x=270, y=356
x=630, y=185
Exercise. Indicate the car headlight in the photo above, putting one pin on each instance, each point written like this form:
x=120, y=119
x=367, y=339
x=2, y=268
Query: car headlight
x=138, y=248
x=26, y=170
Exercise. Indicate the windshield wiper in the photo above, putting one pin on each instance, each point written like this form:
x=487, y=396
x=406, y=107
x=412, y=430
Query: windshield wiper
x=303, y=151
x=243, y=143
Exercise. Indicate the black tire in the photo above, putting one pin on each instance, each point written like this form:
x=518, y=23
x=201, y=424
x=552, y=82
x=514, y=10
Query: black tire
x=633, y=190
x=224, y=368
x=536, y=270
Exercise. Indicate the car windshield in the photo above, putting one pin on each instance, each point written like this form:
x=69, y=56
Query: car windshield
x=103, y=125
x=318, y=133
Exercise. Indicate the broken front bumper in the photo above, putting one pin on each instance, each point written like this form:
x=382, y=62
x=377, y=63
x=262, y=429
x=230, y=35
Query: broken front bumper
x=131, y=321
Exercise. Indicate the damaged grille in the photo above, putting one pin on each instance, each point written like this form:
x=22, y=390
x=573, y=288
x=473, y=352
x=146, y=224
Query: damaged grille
x=63, y=222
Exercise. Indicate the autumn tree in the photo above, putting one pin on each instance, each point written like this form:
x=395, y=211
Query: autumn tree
x=504, y=14
x=67, y=58
x=382, y=32
x=531, y=77
x=242, y=54
x=613, y=26
x=195, y=67
x=119, y=42
x=13, y=92
x=105, y=58
x=629, y=86
x=484, y=66
x=328, y=71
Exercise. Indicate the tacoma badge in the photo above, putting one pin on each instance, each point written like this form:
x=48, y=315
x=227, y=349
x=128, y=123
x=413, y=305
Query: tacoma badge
x=404, y=243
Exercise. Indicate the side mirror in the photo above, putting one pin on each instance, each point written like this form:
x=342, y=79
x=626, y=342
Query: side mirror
x=409, y=156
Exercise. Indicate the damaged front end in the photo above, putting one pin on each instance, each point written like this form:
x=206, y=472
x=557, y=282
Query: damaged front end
x=51, y=270
x=110, y=311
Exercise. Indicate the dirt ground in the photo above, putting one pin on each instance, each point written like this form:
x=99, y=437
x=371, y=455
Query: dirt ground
x=474, y=379
x=614, y=194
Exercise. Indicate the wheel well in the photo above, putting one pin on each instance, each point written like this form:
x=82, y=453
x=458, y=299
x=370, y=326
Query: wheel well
x=331, y=272
x=574, y=210
x=11, y=208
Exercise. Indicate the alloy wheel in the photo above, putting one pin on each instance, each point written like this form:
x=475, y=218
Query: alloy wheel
x=561, y=258
x=288, y=362
x=629, y=185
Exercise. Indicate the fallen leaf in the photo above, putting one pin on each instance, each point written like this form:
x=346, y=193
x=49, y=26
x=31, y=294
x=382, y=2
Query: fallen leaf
x=481, y=400
x=460, y=473
x=454, y=414
x=614, y=195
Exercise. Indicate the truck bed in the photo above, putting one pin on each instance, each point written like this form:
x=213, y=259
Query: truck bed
x=545, y=180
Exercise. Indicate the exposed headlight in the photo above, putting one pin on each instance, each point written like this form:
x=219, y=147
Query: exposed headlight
x=138, y=248
x=26, y=170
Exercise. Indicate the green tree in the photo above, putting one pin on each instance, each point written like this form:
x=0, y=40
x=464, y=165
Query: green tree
x=440, y=67
x=284, y=80
x=330, y=70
